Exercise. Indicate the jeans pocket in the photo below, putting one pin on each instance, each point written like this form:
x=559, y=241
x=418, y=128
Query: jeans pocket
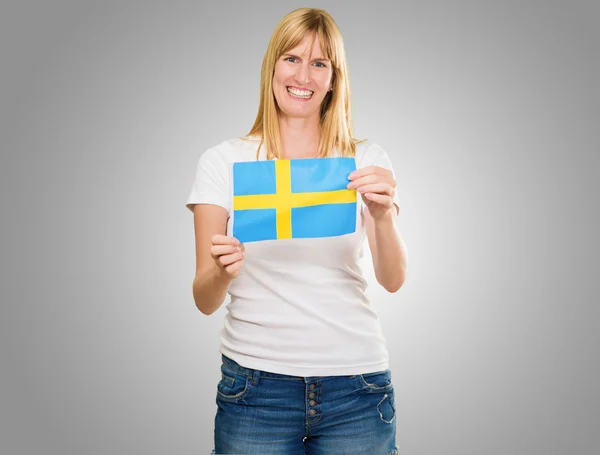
x=233, y=384
x=387, y=407
x=380, y=381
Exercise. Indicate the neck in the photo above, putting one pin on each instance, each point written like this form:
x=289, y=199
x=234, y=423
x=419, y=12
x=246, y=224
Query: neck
x=299, y=137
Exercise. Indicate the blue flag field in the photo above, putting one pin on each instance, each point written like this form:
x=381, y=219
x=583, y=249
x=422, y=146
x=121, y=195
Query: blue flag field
x=300, y=198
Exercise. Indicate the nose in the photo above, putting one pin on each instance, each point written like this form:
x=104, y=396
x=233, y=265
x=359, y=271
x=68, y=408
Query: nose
x=302, y=74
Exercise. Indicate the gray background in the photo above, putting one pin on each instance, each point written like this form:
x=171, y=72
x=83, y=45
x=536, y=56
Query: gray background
x=490, y=111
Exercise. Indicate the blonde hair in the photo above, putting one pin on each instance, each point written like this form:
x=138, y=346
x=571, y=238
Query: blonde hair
x=335, y=114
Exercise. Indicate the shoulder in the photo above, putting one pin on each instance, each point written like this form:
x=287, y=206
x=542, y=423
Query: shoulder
x=230, y=151
x=370, y=153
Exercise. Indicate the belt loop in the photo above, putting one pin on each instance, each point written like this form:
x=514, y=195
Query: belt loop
x=255, y=376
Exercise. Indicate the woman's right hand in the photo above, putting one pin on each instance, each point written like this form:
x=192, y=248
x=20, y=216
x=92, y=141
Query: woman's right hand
x=228, y=254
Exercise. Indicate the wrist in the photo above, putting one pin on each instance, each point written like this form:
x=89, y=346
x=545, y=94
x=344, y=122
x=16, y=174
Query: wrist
x=385, y=217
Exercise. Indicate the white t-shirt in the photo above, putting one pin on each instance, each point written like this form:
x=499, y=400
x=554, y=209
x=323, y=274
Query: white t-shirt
x=298, y=306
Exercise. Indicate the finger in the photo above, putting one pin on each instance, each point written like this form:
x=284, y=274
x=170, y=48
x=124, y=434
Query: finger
x=220, y=239
x=371, y=178
x=234, y=268
x=369, y=170
x=382, y=199
x=220, y=250
x=227, y=259
x=380, y=188
x=362, y=172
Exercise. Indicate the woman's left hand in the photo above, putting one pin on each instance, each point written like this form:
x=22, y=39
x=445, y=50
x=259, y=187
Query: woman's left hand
x=377, y=188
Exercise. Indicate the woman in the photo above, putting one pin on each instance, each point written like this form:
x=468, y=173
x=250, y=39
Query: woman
x=304, y=362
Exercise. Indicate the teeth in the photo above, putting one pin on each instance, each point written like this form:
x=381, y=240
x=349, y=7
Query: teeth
x=300, y=93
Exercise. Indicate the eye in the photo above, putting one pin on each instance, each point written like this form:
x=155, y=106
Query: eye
x=288, y=59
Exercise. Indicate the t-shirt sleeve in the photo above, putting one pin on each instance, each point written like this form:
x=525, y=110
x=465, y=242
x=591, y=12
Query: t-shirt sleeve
x=377, y=156
x=210, y=185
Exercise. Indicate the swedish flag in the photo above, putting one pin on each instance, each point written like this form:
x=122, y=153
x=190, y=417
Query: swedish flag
x=300, y=198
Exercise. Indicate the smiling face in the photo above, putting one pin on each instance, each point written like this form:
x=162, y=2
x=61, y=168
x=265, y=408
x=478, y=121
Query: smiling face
x=302, y=79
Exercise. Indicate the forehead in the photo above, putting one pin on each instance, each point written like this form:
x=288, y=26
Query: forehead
x=304, y=47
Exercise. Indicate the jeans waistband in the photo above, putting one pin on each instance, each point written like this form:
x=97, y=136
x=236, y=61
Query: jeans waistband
x=255, y=374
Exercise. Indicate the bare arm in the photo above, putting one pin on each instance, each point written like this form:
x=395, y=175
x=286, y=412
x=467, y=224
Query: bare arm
x=377, y=187
x=218, y=257
x=390, y=258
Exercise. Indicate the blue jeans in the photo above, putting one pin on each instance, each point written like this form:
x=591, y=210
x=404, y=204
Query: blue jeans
x=259, y=412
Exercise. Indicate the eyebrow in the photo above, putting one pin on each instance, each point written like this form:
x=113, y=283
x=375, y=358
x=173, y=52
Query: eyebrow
x=314, y=59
